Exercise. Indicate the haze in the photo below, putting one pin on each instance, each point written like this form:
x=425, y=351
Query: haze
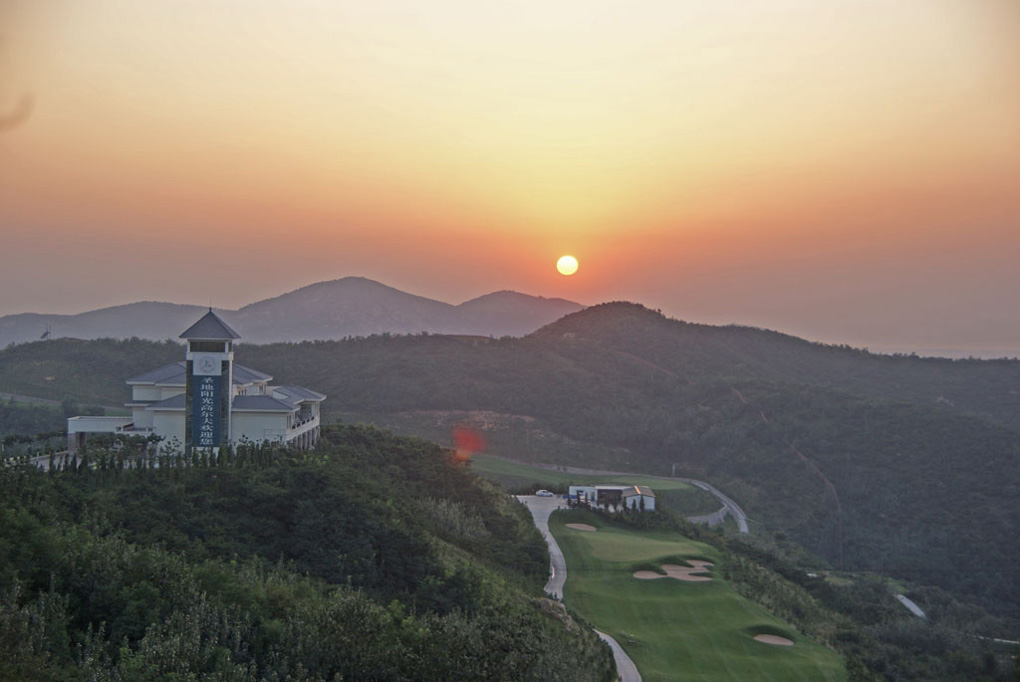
x=846, y=170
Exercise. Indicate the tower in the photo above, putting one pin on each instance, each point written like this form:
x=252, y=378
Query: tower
x=209, y=382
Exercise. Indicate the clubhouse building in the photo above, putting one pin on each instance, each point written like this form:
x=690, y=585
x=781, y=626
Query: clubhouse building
x=636, y=497
x=208, y=401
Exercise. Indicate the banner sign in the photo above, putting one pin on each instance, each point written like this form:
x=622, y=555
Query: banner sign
x=206, y=401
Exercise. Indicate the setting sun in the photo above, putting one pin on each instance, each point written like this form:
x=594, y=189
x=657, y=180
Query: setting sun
x=567, y=265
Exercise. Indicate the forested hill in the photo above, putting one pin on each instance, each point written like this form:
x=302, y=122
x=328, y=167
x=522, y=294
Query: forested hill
x=899, y=465
x=375, y=558
x=987, y=388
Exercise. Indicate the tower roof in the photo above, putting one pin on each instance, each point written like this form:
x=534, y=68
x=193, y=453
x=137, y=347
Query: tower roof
x=211, y=328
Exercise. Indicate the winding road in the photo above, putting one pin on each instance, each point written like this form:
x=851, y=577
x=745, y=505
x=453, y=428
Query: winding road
x=729, y=505
x=541, y=508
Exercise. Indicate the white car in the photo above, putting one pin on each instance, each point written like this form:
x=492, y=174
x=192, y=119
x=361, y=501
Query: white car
x=545, y=493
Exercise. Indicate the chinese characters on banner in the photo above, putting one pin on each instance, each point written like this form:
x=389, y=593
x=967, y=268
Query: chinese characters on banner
x=205, y=427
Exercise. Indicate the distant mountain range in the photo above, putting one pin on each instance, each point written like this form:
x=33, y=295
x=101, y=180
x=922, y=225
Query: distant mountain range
x=352, y=306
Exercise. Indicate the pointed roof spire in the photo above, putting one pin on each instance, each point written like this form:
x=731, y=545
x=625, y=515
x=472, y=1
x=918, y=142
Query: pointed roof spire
x=211, y=328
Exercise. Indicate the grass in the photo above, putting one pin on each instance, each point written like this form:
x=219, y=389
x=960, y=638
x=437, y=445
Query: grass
x=682, y=498
x=519, y=438
x=509, y=441
x=678, y=630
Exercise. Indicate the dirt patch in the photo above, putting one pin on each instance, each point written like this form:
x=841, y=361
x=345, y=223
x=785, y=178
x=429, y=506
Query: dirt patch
x=557, y=611
x=774, y=640
x=691, y=574
x=582, y=526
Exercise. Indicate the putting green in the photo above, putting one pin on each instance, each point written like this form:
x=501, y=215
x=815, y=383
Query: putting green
x=675, y=629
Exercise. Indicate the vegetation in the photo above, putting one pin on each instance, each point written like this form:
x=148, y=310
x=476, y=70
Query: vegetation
x=373, y=558
x=704, y=629
x=854, y=614
x=83, y=371
x=890, y=465
x=28, y=418
x=35, y=428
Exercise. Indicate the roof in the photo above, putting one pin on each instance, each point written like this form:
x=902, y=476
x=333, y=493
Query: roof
x=167, y=374
x=247, y=375
x=297, y=394
x=175, y=374
x=635, y=490
x=246, y=403
x=174, y=403
x=210, y=327
x=261, y=403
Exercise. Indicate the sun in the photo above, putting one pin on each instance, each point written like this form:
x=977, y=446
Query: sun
x=567, y=265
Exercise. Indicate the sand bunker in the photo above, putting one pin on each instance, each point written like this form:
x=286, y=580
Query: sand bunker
x=582, y=526
x=775, y=640
x=690, y=573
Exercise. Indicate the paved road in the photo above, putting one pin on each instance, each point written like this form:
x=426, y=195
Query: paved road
x=911, y=606
x=541, y=508
x=625, y=668
x=728, y=504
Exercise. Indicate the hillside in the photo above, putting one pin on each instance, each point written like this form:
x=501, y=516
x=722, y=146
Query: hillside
x=375, y=558
x=987, y=388
x=853, y=455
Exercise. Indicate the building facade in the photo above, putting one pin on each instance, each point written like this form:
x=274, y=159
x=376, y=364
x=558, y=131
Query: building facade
x=637, y=497
x=209, y=401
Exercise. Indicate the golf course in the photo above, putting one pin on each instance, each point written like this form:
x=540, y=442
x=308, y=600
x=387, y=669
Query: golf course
x=664, y=599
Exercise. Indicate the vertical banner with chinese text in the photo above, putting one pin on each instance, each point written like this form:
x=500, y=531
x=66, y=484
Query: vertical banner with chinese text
x=206, y=401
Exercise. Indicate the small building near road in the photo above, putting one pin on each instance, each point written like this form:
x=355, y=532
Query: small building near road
x=637, y=497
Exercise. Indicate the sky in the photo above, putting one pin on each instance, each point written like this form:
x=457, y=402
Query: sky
x=843, y=170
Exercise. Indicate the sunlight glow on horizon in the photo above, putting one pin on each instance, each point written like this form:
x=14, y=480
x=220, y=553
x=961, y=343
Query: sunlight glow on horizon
x=677, y=144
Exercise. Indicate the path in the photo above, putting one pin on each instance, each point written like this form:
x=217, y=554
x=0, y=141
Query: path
x=911, y=606
x=541, y=508
x=625, y=668
x=729, y=505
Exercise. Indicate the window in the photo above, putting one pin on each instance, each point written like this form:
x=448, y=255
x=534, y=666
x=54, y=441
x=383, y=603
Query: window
x=207, y=346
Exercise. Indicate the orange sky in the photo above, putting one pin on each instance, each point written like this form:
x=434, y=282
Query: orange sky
x=846, y=170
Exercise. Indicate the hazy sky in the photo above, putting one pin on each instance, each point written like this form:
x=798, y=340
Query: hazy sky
x=845, y=170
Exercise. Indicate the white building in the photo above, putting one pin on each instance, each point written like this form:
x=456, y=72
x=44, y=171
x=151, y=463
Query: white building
x=638, y=497
x=629, y=496
x=207, y=400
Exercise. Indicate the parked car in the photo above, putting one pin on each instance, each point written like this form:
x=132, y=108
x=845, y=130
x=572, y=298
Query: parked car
x=545, y=493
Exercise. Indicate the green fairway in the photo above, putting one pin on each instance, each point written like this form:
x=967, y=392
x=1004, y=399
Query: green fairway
x=678, y=496
x=675, y=630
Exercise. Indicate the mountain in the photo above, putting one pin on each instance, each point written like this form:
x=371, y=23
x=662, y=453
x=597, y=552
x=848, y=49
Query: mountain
x=987, y=388
x=849, y=455
x=352, y=306
x=144, y=320
x=897, y=465
x=508, y=313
